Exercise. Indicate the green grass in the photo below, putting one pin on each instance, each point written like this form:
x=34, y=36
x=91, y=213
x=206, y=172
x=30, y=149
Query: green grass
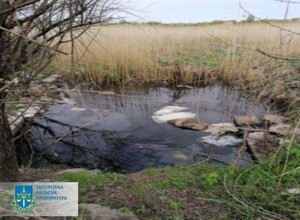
x=214, y=192
x=208, y=57
x=89, y=179
x=213, y=63
x=15, y=107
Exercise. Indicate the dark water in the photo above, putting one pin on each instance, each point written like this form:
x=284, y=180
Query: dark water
x=116, y=132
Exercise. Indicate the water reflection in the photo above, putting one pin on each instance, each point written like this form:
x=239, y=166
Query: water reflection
x=117, y=131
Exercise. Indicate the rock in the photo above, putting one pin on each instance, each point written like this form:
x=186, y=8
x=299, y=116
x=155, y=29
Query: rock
x=246, y=121
x=189, y=124
x=258, y=136
x=78, y=170
x=173, y=116
x=170, y=109
x=47, y=100
x=169, y=113
x=223, y=141
x=67, y=101
x=219, y=129
x=184, y=87
x=294, y=191
x=15, y=124
x=274, y=119
x=106, y=93
x=30, y=112
x=97, y=212
x=51, y=79
x=78, y=109
x=180, y=155
x=262, y=145
x=282, y=129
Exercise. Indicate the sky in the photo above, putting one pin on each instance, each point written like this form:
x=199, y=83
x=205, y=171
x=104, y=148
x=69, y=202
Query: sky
x=192, y=11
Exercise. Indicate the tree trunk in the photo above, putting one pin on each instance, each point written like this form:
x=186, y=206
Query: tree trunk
x=4, y=39
x=8, y=155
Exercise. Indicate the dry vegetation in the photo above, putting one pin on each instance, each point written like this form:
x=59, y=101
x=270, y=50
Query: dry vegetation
x=189, y=54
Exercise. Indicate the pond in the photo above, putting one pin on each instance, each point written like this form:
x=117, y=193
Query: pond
x=114, y=130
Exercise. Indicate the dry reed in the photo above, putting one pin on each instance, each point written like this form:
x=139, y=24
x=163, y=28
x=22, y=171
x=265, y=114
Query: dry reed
x=144, y=53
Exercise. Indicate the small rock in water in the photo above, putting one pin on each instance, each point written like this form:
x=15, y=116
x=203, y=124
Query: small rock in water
x=222, y=128
x=223, y=141
x=78, y=109
x=274, y=119
x=189, y=124
x=180, y=155
x=282, y=129
x=184, y=87
x=106, y=93
x=173, y=116
x=170, y=109
x=246, y=121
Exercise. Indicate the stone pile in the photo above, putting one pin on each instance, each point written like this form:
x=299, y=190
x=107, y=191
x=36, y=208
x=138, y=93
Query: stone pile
x=261, y=135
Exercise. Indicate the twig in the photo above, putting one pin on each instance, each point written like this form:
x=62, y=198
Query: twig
x=33, y=41
x=13, y=8
x=291, y=171
x=276, y=56
x=8, y=86
x=287, y=156
x=267, y=22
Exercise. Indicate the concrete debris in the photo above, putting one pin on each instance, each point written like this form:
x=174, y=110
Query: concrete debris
x=78, y=109
x=282, y=129
x=173, y=116
x=262, y=144
x=170, y=109
x=222, y=128
x=223, y=141
x=274, y=119
x=187, y=124
x=246, y=121
x=51, y=79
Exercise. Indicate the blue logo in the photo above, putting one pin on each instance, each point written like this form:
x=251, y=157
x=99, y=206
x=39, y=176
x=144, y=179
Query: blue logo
x=24, y=199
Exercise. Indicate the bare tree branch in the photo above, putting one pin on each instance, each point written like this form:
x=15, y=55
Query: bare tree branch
x=269, y=23
x=276, y=56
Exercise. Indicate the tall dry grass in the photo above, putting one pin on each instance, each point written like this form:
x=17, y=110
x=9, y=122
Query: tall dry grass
x=157, y=53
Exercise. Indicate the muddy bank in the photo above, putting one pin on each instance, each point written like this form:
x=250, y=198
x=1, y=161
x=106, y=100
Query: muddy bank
x=115, y=130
